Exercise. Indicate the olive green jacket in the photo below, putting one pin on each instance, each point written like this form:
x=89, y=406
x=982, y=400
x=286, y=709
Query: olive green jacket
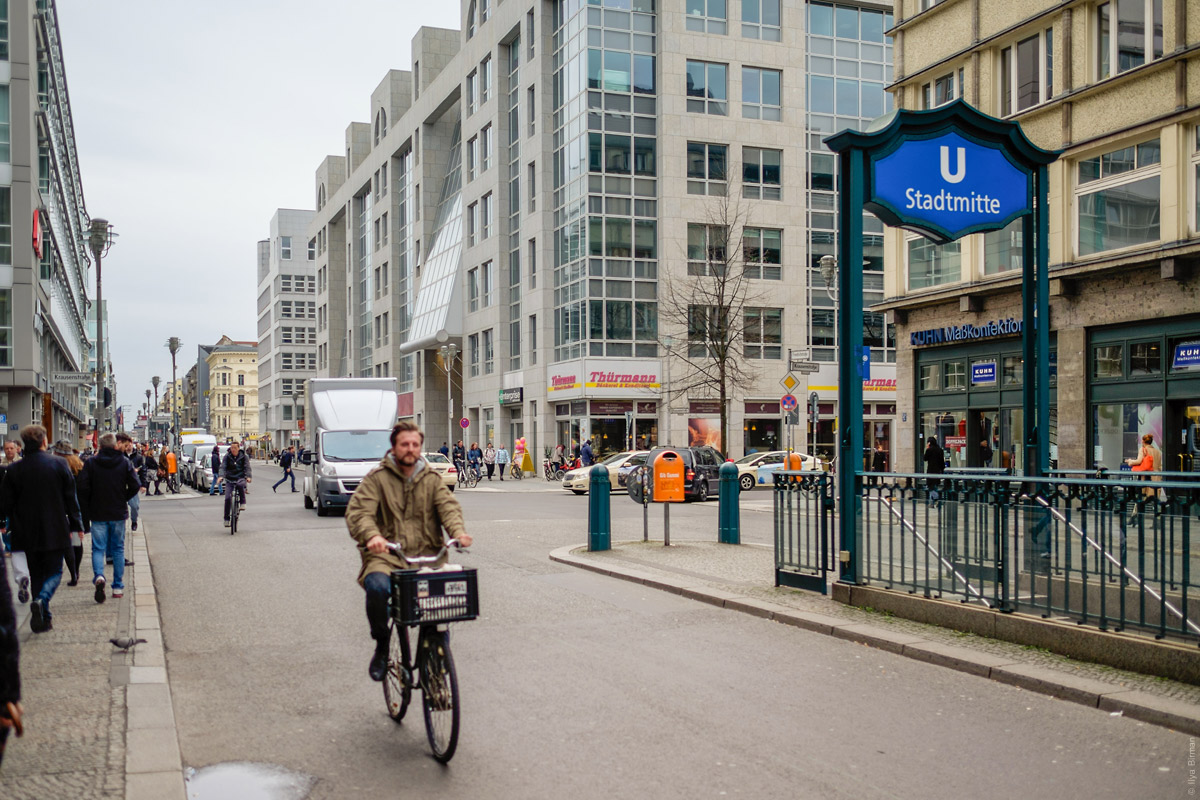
x=412, y=511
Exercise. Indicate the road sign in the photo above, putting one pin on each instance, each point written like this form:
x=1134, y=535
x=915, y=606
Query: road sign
x=805, y=367
x=790, y=382
x=464, y=423
x=789, y=402
x=72, y=377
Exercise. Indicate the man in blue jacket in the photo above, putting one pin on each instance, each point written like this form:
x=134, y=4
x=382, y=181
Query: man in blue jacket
x=106, y=483
x=38, y=501
x=285, y=461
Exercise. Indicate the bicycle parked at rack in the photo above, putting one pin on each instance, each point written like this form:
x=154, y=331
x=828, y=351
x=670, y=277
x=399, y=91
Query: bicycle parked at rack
x=428, y=599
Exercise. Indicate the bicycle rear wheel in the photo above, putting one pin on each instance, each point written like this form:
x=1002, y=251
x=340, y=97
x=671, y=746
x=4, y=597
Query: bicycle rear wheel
x=439, y=693
x=395, y=692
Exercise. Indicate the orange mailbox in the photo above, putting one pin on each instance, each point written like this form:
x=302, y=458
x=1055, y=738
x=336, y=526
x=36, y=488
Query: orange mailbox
x=668, y=477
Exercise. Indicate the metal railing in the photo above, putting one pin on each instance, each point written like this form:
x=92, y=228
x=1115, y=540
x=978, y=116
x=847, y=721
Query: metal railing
x=1115, y=552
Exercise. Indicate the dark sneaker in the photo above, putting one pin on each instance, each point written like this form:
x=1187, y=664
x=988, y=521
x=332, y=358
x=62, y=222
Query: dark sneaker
x=23, y=590
x=135, y=526
x=99, y=589
x=378, y=667
x=37, y=619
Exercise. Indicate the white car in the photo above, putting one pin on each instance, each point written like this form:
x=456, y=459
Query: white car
x=577, y=480
x=442, y=466
x=202, y=476
x=765, y=469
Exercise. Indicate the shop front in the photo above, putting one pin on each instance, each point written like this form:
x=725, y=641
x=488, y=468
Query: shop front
x=615, y=403
x=969, y=399
x=1145, y=379
x=762, y=427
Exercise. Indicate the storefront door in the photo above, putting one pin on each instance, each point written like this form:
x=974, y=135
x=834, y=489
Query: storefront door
x=1181, y=450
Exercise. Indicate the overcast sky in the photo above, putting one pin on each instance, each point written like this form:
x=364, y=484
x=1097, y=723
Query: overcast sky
x=194, y=122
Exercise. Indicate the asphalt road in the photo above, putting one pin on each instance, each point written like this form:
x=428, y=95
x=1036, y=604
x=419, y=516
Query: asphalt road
x=576, y=685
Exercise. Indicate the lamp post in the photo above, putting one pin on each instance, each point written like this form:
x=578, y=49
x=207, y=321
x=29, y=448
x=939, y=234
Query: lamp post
x=100, y=239
x=449, y=351
x=173, y=344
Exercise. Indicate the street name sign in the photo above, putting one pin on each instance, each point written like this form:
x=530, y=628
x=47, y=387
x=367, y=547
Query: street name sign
x=805, y=367
x=72, y=377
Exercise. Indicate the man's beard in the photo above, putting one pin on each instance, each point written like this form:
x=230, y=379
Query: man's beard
x=407, y=460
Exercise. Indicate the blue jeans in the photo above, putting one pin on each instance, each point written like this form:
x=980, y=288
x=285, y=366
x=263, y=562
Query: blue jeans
x=135, y=506
x=213, y=489
x=378, y=586
x=286, y=474
x=45, y=573
x=109, y=537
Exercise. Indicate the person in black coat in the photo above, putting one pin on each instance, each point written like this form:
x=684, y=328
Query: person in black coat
x=38, y=500
x=106, y=484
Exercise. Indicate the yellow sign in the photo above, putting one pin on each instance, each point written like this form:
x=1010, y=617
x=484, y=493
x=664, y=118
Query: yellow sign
x=790, y=382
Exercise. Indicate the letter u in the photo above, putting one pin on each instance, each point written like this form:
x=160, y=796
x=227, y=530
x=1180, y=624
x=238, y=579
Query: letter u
x=961, y=172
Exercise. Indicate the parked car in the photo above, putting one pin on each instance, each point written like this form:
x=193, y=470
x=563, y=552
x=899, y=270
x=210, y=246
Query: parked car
x=748, y=466
x=627, y=469
x=442, y=466
x=701, y=477
x=202, y=476
x=765, y=470
x=577, y=480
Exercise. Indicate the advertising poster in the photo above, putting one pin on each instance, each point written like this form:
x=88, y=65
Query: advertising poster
x=704, y=432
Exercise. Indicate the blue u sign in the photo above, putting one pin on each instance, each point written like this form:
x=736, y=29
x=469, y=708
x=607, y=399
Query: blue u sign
x=948, y=186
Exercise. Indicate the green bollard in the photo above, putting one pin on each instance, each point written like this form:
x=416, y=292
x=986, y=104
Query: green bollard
x=599, y=511
x=729, y=520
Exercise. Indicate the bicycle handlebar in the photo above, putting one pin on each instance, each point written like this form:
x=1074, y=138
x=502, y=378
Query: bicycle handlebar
x=395, y=548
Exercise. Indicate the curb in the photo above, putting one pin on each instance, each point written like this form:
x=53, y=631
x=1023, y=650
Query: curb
x=1168, y=713
x=153, y=764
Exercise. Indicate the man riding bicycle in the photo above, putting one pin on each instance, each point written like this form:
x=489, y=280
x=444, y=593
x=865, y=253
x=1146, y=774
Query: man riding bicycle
x=405, y=502
x=235, y=469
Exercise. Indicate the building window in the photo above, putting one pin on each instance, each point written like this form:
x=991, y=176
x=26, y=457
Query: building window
x=485, y=10
x=489, y=364
x=6, y=239
x=472, y=158
x=932, y=264
x=473, y=355
x=6, y=327
x=471, y=20
x=1196, y=182
x=1134, y=20
x=707, y=168
x=3, y=30
x=955, y=376
x=706, y=249
x=1002, y=249
x=1118, y=199
x=762, y=173
x=762, y=253
x=285, y=248
x=485, y=216
x=485, y=80
x=706, y=16
x=487, y=281
x=760, y=20
x=312, y=249
x=1027, y=73
x=533, y=263
x=942, y=90
x=472, y=92
x=763, y=333
x=707, y=88
x=529, y=110
x=533, y=347
x=5, y=127
x=485, y=148
x=472, y=223
x=761, y=94
x=707, y=326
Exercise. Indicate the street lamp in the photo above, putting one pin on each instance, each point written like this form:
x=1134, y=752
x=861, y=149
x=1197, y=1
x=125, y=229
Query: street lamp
x=100, y=238
x=449, y=351
x=173, y=344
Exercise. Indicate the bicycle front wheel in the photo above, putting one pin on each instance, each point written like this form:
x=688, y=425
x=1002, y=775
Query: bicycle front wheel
x=439, y=692
x=396, y=693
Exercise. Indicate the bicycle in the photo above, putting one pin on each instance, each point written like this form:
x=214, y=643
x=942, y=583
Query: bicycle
x=238, y=490
x=428, y=600
x=515, y=472
x=468, y=476
x=553, y=471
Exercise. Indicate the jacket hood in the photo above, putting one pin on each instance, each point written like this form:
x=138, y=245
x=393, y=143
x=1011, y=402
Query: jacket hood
x=109, y=456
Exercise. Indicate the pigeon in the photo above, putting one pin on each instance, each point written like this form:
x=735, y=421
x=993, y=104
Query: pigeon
x=127, y=643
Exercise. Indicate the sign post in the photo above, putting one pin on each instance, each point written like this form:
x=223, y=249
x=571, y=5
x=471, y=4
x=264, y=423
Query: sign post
x=943, y=173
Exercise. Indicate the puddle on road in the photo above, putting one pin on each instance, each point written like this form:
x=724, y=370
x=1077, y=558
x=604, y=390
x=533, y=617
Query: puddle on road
x=243, y=780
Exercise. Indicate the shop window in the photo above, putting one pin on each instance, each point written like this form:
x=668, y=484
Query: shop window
x=1106, y=361
x=932, y=264
x=1117, y=430
x=1145, y=358
x=955, y=375
x=1118, y=198
x=1027, y=73
x=931, y=377
x=1013, y=374
x=1138, y=29
x=707, y=171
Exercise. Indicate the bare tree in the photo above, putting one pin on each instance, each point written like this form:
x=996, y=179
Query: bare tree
x=712, y=317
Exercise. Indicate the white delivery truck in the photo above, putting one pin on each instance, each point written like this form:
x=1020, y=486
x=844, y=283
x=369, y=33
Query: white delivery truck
x=350, y=420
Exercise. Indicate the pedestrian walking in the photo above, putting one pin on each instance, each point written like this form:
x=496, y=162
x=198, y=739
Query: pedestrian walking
x=502, y=460
x=214, y=461
x=154, y=472
x=475, y=457
x=170, y=464
x=38, y=501
x=1149, y=459
x=285, y=461
x=586, y=454
x=12, y=452
x=489, y=460
x=560, y=456
x=126, y=445
x=444, y=450
x=63, y=450
x=10, y=663
x=935, y=464
x=105, y=485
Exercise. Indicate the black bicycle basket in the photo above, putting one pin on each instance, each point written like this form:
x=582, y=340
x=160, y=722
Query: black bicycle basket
x=421, y=598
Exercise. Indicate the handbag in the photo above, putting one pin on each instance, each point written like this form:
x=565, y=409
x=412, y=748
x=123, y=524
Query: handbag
x=1162, y=495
